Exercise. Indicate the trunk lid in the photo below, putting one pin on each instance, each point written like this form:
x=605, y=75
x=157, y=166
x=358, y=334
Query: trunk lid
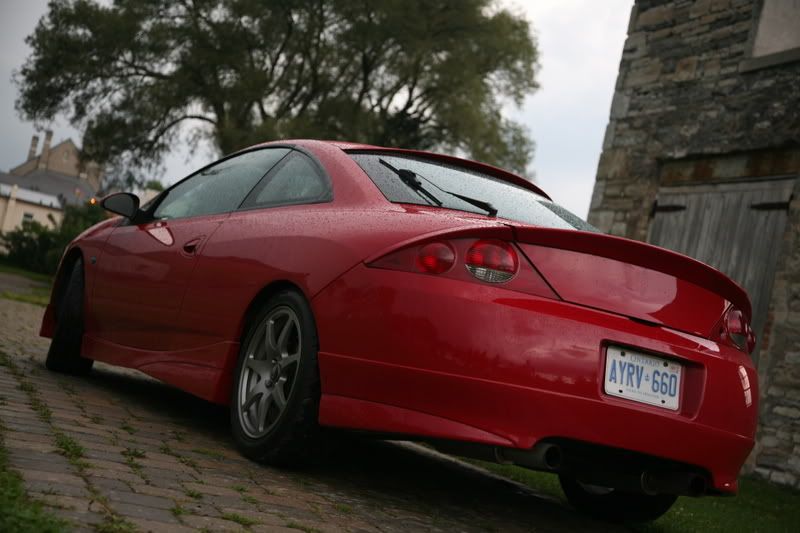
x=632, y=278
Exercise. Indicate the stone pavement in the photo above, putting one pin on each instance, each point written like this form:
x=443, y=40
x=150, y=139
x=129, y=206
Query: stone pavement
x=118, y=451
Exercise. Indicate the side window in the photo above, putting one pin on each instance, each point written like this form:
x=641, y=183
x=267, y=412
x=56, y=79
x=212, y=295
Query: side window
x=295, y=180
x=219, y=188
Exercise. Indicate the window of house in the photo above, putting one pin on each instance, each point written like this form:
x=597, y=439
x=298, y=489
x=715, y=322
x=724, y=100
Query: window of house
x=27, y=217
x=775, y=37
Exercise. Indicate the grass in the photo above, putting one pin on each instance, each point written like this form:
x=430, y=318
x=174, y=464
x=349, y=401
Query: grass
x=33, y=276
x=239, y=519
x=135, y=453
x=177, y=510
x=40, y=297
x=34, y=295
x=18, y=512
x=195, y=495
x=69, y=447
x=209, y=453
x=127, y=428
x=759, y=506
x=343, y=508
x=187, y=461
x=130, y=455
x=36, y=403
x=114, y=524
x=541, y=482
x=135, y=466
x=301, y=527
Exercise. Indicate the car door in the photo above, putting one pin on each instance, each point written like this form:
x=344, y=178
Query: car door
x=144, y=269
x=257, y=245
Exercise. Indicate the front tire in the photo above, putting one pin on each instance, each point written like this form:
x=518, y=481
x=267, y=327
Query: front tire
x=276, y=386
x=615, y=505
x=64, y=354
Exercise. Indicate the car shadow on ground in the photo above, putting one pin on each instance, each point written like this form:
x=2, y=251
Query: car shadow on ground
x=380, y=478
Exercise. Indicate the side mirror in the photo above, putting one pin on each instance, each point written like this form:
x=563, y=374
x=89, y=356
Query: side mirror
x=121, y=203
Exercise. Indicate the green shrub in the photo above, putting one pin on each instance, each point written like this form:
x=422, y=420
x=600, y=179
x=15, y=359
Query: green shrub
x=38, y=248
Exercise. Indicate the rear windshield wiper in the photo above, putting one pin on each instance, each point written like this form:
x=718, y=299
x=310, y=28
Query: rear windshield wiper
x=410, y=178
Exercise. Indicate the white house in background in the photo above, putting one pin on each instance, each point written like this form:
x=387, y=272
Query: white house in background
x=18, y=205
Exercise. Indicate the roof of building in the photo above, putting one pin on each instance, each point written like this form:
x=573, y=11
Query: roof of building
x=37, y=158
x=32, y=197
x=71, y=190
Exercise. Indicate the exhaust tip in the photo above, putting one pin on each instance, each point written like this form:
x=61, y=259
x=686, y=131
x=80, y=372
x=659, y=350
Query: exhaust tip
x=553, y=457
x=645, y=480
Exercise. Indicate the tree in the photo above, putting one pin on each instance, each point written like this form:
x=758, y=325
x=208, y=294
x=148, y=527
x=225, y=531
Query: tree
x=154, y=185
x=431, y=74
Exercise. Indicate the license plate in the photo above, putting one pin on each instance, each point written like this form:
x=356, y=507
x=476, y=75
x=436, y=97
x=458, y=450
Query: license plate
x=642, y=378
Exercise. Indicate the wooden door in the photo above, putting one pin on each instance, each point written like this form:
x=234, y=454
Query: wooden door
x=735, y=227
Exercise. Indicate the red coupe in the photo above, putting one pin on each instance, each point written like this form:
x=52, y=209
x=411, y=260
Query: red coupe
x=312, y=284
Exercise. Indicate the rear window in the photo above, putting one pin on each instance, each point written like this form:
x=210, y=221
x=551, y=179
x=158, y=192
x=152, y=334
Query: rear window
x=462, y=189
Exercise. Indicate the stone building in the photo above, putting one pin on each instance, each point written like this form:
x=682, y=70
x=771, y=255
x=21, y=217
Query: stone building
x=702, y=155
x=57, y=171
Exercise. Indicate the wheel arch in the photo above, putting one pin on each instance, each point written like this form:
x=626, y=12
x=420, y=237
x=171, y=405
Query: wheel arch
x=261, y=297
x=71, y=256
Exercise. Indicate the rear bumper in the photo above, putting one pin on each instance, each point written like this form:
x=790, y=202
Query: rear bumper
x=415, y=354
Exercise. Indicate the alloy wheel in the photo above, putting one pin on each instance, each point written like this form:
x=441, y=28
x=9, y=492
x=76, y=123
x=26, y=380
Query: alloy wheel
x=269, y=372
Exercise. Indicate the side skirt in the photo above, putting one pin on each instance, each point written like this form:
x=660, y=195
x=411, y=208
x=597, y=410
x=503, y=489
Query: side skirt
x=204, y=371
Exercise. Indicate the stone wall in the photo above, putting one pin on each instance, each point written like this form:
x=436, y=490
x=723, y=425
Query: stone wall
x=690, y=96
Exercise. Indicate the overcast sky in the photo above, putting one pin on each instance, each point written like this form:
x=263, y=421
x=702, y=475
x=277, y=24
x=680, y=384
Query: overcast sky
x=580, y=44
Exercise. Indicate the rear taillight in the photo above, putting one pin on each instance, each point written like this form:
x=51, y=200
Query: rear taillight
x=436, y=258
x=735, y=331
x=492, y=261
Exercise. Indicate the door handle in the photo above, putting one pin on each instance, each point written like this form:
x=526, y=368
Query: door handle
x=191, y=247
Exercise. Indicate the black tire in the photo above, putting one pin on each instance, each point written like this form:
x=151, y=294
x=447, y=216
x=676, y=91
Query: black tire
x=615, y=505
x=64, y=354
x=294, y=437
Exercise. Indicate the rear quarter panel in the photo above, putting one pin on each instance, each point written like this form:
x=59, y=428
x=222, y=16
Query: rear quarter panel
x=308, y=246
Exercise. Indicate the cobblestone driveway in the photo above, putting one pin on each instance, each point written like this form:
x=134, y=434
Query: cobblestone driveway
x=119, y=449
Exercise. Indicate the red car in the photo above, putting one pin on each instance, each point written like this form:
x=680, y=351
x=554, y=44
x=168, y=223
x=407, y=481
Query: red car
x=314, y=284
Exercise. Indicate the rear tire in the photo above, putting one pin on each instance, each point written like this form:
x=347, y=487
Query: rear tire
x=615, y=505
x=64, y=354
x=276, y=385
